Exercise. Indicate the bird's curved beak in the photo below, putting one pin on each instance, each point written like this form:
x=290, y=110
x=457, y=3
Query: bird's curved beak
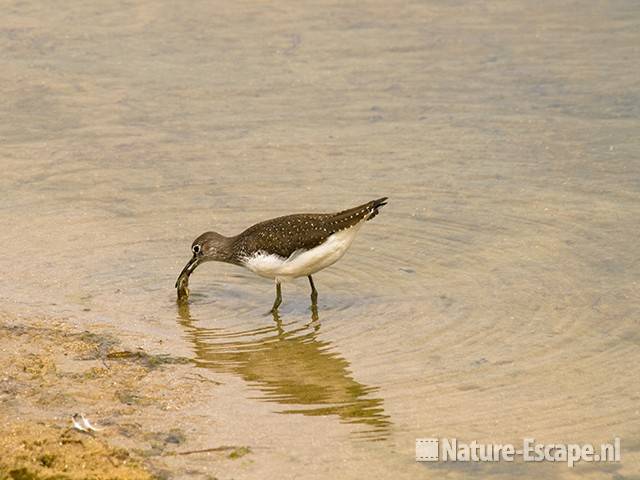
x=187, y=270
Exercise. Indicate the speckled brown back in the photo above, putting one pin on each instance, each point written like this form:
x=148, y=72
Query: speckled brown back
x=285, y=235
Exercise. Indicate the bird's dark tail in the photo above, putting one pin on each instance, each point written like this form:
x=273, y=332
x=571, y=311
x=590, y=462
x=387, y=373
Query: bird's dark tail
x=375, y=206
x=355, y=215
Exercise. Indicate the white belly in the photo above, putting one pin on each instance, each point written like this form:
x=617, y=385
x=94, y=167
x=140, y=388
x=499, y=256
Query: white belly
x=304, y=262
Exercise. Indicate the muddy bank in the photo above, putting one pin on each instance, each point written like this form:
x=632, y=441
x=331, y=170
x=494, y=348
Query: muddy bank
x=52, y=370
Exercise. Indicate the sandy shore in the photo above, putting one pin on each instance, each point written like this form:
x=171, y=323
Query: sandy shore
x=52, y=370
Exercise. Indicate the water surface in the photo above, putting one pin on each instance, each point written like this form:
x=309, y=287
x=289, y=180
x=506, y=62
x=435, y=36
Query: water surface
x=495, y=297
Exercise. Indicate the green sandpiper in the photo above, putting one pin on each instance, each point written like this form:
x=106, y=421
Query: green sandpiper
x=283, y=248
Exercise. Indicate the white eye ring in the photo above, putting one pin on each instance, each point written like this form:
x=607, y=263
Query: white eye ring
x=196, y=249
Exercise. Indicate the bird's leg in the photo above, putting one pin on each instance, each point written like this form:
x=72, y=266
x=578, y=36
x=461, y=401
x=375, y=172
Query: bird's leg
x=278, y=301
x=314, y=292
x=278, y=322
x=314, y=317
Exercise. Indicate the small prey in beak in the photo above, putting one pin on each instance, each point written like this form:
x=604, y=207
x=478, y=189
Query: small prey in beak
x=182, y=284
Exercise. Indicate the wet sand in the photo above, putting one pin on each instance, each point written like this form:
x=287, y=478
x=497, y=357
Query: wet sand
x=52, y=370
x=495, y=298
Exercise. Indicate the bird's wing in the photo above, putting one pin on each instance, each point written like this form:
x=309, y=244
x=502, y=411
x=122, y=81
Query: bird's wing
x=293, y=234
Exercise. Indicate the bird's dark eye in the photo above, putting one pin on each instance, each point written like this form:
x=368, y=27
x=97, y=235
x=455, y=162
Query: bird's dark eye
x=196, y=249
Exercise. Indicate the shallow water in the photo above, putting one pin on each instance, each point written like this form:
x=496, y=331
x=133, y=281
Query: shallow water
x=496, y=296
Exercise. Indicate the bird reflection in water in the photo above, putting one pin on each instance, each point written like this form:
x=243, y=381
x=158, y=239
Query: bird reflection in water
x=292, y=368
